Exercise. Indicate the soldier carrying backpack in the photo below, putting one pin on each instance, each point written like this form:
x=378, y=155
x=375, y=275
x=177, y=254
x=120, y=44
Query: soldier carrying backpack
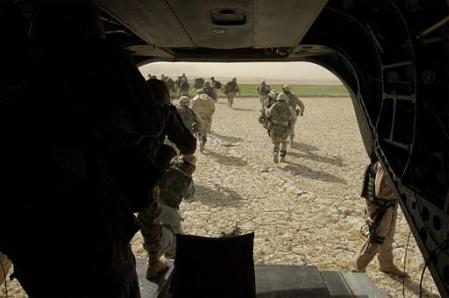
x=279, y=117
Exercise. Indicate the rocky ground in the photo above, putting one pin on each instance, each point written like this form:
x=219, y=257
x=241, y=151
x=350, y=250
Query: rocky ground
x=306, y=211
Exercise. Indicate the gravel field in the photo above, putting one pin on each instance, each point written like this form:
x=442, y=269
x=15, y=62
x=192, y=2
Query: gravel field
x=306, y=211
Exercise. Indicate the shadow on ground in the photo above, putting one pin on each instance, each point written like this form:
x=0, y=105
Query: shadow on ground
x=304, y=147
x=226, y=160
x=226, y=138
x=336, y=161
x=298, y=169
x=217, y=195
x=244, y=110
x=413, y=287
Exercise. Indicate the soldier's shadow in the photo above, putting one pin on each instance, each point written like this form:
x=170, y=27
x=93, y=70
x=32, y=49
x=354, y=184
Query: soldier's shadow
x=413, y=286
x=304, y=147
x=226, y=138
x=244, y=110
x=226, y=160
x=301, y=170
x=217, y=195
x=308, y=153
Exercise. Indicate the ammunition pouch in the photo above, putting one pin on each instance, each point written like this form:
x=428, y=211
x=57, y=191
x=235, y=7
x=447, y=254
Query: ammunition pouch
x=297, y=112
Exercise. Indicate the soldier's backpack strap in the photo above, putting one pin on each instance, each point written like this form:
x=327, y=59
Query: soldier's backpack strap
x=368, y=186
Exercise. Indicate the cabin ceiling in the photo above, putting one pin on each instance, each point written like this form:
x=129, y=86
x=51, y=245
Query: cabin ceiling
x=215, y=24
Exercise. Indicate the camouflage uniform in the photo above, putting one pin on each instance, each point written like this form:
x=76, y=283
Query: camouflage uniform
x=210, y=91
x=293, y=101
x=268, y=102
x=176, y=184
x=176, y=132
x=184, y=87
x=263, y=90
x=199, y=83
x=204, y=106
x=382, y=212
x=191, y=119
x=215, y=84
x=230, y=89
x=279, y=116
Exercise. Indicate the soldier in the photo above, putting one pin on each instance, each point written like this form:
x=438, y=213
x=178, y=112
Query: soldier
x=171, y=86
x=175, y=132
x=204, y=105
x=279, y=119
x=230, y=89
x=293, y=101
x=199, y=83
x=184, y=87
x=210, y=91
x=381, y=208
x=215, y=84
x=263, y=89
x=94, y=132
x=270, y=100
x=175, y=185
x=191, y=119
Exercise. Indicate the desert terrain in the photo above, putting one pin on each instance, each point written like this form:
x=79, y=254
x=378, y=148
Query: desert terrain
x=306, y=211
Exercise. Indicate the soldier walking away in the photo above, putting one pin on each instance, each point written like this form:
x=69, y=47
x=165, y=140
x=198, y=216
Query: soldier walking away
x=297, y=106
x=94, y=132
x=279, y=119
x=215, y=84
x=184, y=87
x=230, y=89
x=381, y=208
x=199, y=83
x=178, y=83
x=263, y=90
x=204, y=106
x=191, y=119
x=175, y=132
x=270, y=100
x=175, y=185
x=210, y=91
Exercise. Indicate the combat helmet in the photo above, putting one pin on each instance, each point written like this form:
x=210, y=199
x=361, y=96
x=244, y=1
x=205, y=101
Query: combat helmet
x=184, y=101
x=282, y=97
x=286, y=88
x=273, y=94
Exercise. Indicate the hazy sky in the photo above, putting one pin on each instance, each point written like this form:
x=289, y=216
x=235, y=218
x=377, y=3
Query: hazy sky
x=290, y=72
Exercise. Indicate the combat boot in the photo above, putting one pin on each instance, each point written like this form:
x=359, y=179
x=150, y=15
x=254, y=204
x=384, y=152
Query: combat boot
x=283, y=153
x=275, y=158
x=156, y=266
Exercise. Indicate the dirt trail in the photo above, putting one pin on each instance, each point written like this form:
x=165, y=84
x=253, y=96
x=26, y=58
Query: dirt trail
x=304, y=211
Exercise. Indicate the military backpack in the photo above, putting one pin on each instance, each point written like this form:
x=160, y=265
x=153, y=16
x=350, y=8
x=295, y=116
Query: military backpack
x=280, y=113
